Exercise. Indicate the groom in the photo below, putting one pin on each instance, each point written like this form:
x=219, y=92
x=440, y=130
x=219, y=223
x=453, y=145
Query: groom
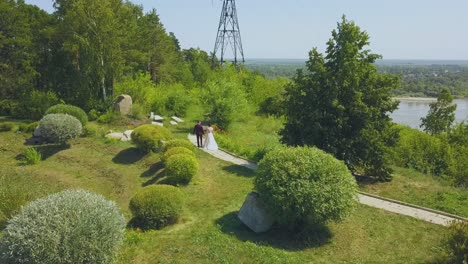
x=198, y=131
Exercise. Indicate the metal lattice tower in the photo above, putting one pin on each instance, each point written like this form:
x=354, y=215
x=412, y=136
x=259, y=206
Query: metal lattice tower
x=229, y=33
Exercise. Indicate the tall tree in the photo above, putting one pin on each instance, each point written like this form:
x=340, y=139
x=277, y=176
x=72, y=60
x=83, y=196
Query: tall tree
x=341, y=104
x=441, y=114
x=91, y=35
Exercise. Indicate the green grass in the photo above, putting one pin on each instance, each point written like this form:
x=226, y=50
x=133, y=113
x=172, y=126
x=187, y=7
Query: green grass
x=429, y=191
x=209, y=231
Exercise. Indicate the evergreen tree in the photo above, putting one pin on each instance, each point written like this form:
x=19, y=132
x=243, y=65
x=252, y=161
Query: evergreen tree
x=341, y=104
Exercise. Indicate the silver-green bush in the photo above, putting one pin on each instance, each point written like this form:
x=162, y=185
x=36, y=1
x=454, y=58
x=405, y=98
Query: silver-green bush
x=72, y=226
x=58, y=128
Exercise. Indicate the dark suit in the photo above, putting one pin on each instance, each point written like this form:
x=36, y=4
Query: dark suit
x=198, y=131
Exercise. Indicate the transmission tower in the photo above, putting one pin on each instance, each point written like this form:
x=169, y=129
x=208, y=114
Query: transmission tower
x=229, y=33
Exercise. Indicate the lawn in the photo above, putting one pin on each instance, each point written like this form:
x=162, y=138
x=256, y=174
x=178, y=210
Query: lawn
x=429, y=191
x=209, y=231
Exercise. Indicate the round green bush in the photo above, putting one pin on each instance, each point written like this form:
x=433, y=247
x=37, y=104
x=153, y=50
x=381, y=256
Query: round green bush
x=148, y=137
x=305, y=186
x=181, y=168
x=58, y=128
x=70, y=110
x=156, y=206
x=72, y=226
x=179, y=143
x=176, y=150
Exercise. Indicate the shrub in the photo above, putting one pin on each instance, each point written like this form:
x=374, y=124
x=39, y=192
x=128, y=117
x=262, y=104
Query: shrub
x=70, y=110
x=32, y=156
x=422, y=152
x=305, y=186
x=67, y=227
x=58, y=128
x=177, y=150
x=28, y=128
x=34, y=104
x=93, y=115
x=456, y=246
x=6, y=126
x=109, y=117
x=179, y=143
x=90, y=130
x=148, y=137
x=181, y=168
x=178, y=100
x=156, y=206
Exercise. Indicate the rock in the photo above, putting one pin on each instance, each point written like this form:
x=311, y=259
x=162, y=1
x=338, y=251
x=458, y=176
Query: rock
x=254, y=214
x=115, y=135
x=127, y=135
x=123, y=104
x=157, y=123
x=173, y=123
x=177, y=119
x=158, y=118
x=37, y=132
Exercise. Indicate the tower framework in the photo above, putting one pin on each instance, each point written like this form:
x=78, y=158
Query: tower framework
x=229, y=34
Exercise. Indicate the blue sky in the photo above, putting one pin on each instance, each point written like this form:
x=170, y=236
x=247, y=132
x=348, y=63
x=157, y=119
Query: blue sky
x=410, y=29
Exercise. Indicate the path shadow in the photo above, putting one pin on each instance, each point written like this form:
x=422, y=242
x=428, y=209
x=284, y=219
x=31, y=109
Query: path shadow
x=47, y=151
x=239, y=170
x=128, y=156
x=155, y=173
x=312, y=237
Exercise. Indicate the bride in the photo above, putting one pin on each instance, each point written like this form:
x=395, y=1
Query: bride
x=210, y=142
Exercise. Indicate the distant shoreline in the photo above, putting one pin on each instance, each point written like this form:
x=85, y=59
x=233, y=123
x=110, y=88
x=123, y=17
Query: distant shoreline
x=420, y=99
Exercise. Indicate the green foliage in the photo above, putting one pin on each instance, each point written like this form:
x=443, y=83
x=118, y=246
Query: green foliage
x=32, y=156
x=181, y=168
x=70, y=110
x=67, y=227
x=178, y=101
x=109, y=117
x=90, y=130
x=28, y=128
x=305, y=186
x=342, y=104
x=458, y=140
x=59, y=128
x=148, y=137
x=456, y=246
x=138, y=112
x=34, y=104
x=179, y=143
x=224, y=101
x=156, y=206
x=422, y=152
x=93, y=115
x=441, y=114
x=161, y=98
x=7, y=126
x=176, y=150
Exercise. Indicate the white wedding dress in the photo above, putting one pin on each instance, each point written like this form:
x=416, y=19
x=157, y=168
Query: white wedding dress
x=210, y=142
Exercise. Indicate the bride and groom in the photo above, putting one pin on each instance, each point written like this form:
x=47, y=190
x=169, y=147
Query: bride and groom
x=210, y=142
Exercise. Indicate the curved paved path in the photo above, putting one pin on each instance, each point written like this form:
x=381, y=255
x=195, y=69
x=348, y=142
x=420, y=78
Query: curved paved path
x=395, y=207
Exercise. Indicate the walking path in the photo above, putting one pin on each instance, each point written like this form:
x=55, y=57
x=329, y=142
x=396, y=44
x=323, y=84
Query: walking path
x=370, y=200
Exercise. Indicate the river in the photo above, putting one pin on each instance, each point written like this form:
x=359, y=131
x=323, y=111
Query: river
x=411, y=110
